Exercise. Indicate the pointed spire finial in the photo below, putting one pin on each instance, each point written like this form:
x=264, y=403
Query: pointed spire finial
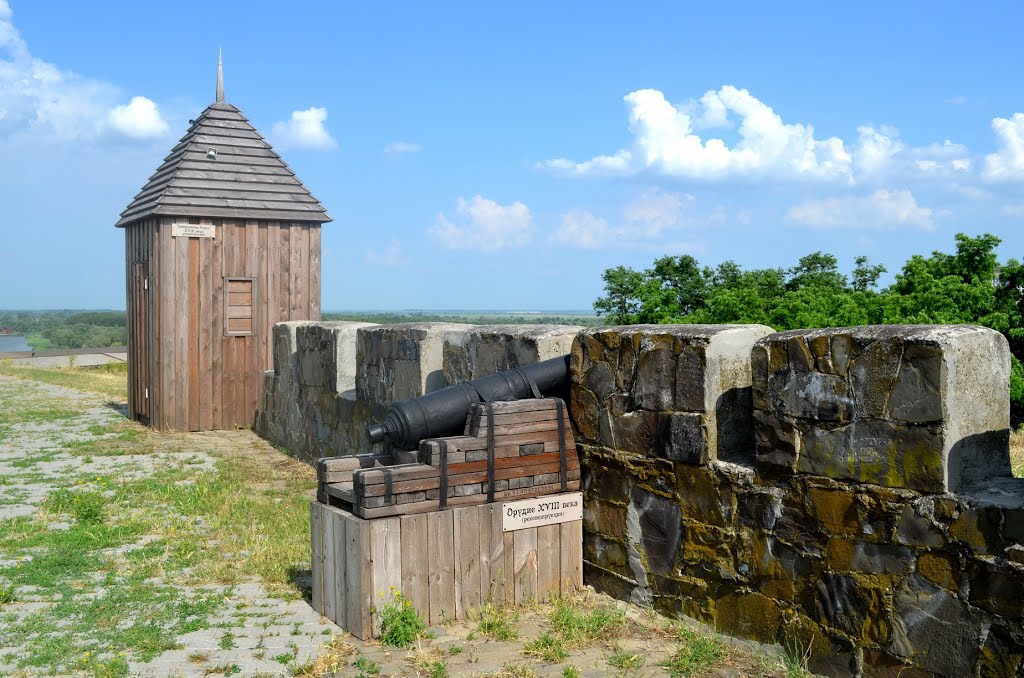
x=220, y=77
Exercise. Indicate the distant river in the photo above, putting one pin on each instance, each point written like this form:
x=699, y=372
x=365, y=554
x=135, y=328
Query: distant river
x=9, y=343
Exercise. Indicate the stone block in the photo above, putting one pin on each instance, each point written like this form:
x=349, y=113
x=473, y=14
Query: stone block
x=681, y=392
x=748, y=615
x=844, y=603
x=327, y=354
x=660, y=530
x=935, y=630
x=480, y=350
x=286, y=348
x=906, y=406
x=395, y=362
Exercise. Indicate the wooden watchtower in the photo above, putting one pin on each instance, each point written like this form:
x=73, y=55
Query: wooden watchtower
x=222, y=242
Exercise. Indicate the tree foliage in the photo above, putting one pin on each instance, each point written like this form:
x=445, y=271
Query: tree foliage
x=68, y=329
x=968, y=286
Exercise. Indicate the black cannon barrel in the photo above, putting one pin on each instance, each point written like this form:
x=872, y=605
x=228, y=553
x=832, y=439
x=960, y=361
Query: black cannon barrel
x=443, y=413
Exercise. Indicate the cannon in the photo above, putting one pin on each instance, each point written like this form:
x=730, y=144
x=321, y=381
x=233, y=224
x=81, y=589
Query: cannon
x=443, y=413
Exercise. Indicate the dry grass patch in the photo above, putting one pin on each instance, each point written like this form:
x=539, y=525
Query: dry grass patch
x=108, y=380
x=333, y=655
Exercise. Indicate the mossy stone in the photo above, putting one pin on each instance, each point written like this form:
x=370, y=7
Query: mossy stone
x=940, y=568
x=748, y=615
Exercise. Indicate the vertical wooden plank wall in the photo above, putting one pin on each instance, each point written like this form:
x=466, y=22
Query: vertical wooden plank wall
x=447, y=563
x=200, y=379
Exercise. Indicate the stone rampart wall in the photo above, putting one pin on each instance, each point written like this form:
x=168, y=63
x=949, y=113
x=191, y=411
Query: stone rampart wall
x=861, y=506
x=332, y=379
x=845, y=491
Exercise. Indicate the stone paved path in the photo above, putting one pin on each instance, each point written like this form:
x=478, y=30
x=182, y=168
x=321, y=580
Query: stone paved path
x=267, y=634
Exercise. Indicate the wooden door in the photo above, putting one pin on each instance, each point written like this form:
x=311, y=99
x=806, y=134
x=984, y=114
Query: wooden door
x=139, y=339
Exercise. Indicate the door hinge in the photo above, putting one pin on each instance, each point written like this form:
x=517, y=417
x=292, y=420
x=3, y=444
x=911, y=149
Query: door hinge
x=145, y=283
x=147, y=394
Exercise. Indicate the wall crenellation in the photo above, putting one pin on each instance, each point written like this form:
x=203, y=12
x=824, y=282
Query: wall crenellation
x=845, y=491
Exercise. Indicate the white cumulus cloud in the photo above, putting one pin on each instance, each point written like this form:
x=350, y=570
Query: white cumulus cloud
x=728, y=135
x=883, y=209
x=44, y=101
x=1007, y=163
x=140, y=119
x=665, y=140
x=482, y=224
x=304, y=129
x=402, y=147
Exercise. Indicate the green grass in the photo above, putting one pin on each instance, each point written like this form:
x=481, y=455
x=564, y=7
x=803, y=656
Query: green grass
x=131, y=614
x=518, y=670
x=85, y=505
x=498, y=622
x=37, y=414
x=697, y=654
x=794, y=660
x=547, y=647
x=227, y=641
x=626, y=661
x=571, y=672
x=437, y=669
x=6, y=594
x=577, y=623
x=108, y=380
x=367, y=666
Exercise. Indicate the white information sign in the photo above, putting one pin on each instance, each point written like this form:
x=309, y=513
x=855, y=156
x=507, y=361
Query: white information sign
x=193, y=230
x=549, y=510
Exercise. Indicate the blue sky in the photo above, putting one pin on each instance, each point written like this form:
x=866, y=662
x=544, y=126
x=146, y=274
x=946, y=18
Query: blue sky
x=502, y=155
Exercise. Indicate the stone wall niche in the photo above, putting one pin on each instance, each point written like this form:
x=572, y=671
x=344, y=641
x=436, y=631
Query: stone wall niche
x=676, y=392
x=916, y=407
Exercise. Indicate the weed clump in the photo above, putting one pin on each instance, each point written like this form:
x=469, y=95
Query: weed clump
x=548, y=647
x=6, y=593
x=400, y=623
x=697, y=654
x=576, y=623
x=88, y=507
x=498, y=622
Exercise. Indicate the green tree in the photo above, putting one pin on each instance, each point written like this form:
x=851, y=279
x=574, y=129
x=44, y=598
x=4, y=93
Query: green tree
x=622, y=286
x=817, y=269
x=865, y=277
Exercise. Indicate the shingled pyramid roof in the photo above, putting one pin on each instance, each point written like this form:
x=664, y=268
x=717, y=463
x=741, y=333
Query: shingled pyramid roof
x=222, y=167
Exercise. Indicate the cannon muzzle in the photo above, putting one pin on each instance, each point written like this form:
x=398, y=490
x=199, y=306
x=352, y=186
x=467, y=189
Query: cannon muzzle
x=443, y=413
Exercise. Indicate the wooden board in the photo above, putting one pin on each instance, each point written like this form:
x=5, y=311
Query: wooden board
x=358, y=582
x=441, y=566
x=525, y=564
x=415, y=545
x=317, y=551
x=467, y=561
x=549, y=564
